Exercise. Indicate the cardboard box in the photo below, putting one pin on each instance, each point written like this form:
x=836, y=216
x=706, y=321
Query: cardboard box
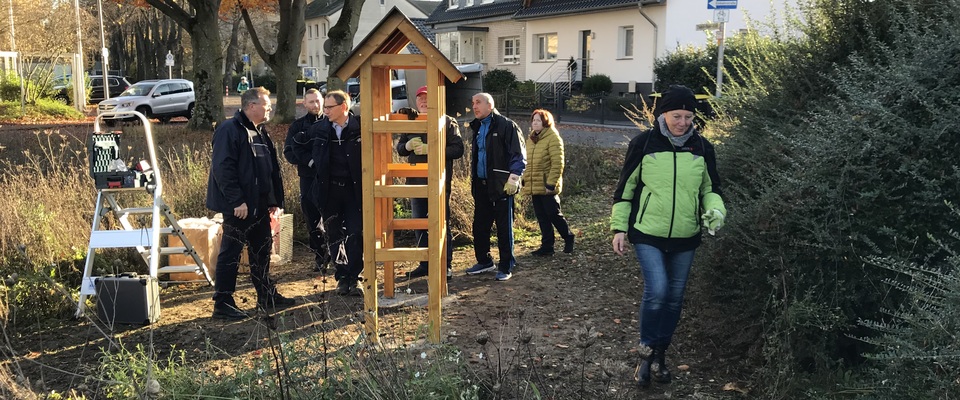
x=205, y=236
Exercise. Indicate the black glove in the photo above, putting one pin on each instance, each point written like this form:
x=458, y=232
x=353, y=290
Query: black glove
x=411, y=113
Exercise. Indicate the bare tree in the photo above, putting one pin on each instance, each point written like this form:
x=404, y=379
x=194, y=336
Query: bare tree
x=341, y=38
x=201, y=21
x=286, y=56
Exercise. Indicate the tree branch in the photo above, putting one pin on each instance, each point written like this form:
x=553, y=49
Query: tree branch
x=173, y=10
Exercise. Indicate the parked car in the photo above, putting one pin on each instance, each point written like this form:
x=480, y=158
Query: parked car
x=117, y=85
x=398, y=94
x=162, y=99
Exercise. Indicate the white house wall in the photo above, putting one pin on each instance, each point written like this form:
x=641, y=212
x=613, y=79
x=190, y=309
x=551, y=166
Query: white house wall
x=681, y=21
x=604, y=58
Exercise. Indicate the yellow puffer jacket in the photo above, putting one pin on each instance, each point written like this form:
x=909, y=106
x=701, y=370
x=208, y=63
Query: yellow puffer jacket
x=544, y=163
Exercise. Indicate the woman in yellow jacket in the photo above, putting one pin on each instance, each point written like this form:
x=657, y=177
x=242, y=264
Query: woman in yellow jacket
x=544, y=179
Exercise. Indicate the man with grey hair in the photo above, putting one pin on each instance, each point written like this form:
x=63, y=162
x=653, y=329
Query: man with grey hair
x=498, y=160
x=246, y=187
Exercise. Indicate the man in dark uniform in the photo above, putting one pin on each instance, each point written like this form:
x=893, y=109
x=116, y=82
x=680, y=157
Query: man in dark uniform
x=245, y=186
x=414, y=147
x=299, y=151
x=336, y=190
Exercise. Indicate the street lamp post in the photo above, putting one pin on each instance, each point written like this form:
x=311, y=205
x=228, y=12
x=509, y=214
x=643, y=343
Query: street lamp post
x=79, y=94
x=106, y=55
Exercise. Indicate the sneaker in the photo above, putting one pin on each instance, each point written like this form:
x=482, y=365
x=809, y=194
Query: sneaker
x=421, y=270
x=480, y=268
x=276, y=301
x=568, y=245
x=543, y=251
x=503, y=276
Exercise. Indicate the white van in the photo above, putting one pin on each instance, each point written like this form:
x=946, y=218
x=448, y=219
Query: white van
x=398, y=94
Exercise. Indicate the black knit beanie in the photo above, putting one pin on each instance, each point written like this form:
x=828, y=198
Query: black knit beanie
x=677, y=97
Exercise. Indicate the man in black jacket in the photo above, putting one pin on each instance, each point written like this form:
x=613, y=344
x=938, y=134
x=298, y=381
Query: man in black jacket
x=298, y=151
x=414, y=147
x=245, y=186
x=498, y=161
x=336, y=190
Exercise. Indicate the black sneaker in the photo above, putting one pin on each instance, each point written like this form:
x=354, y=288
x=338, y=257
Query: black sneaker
x=276, y=301
x=343, y=288
x=568, y=245
x=224, y=310
x=542, y=252
x=356, y=291
x=421, y=270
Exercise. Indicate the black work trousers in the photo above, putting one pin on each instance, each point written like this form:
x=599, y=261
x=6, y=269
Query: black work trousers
x=254, y=232
x=485, y=213
x=311, y=216
x=343, y=222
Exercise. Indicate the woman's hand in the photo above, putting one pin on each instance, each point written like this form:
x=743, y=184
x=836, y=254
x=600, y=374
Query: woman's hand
x=619, y=243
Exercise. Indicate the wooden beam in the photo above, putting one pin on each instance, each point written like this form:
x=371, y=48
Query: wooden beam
x=371, y=323
x=403, y=170
x=415, y=126
x=399, y=61
x=431, y=52
x=399, y=191
x=404, y=224
x=436, y=137
x=368, y=47
x=402, y=254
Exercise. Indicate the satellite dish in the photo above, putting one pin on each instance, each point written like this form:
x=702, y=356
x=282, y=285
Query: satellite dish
x=327, y=47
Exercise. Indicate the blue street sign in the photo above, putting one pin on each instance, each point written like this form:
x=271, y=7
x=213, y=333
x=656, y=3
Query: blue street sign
x=246, y=57
x=721, y=4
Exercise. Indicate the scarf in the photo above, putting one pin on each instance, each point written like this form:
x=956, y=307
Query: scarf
x=677, y=141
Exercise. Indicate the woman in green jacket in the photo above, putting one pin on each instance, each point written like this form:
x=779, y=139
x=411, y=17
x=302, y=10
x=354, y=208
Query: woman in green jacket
x=544, y=180
x=668, y=187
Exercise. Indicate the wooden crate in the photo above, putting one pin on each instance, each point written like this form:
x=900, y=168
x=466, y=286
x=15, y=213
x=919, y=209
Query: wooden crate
x=205, y=236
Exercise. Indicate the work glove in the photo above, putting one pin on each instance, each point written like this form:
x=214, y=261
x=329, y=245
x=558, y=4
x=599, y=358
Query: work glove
x=513, y=185
x=409, y=112
x=412, y=144
x=420, y=149
x=712, y=220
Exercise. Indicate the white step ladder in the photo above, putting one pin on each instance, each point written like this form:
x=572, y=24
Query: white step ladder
x=130, y=236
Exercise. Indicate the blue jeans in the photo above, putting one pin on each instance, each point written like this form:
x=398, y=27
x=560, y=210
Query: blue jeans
x=664, y=281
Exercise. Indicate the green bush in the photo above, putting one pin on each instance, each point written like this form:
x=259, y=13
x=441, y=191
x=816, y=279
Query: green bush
x=10, y=87
x=916, y=346
x=596, y=84
x=828, y=159
x=499, y=80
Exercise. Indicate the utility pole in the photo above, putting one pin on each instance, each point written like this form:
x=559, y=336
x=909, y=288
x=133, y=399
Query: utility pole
x=720, y=37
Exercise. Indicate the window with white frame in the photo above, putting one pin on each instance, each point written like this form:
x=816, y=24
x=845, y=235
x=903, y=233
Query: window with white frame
x=453, y=3
x=486, y=1
x=510, y=50
x=546, y=46
x=323, y=32
x=468, y=3
x=625, y=48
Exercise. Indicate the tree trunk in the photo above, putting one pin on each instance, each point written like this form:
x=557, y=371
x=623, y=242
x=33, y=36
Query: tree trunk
x=284, y=61
x=207, y=63
x=233, y=48
x=202, y=24
x=341, y=39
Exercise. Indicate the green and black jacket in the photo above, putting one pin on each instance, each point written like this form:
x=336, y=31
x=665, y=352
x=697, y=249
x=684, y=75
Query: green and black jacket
x=664, y=189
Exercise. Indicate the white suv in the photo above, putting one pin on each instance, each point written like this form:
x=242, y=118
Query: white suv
x=162, y=99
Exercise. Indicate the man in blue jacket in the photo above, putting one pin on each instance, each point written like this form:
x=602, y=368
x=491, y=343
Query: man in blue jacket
x=499, y=158
x=336, y=190
x=245, y=186
x=298, y=151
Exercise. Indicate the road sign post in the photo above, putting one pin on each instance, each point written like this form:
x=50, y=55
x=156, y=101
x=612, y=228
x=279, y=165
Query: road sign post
x=721, y=15
x=169, y=65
